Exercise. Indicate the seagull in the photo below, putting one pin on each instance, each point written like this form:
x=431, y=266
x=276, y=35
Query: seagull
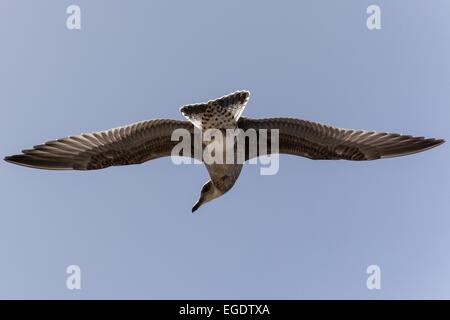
x=151, y=139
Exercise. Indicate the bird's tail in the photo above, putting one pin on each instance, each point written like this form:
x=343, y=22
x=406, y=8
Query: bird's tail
x=216, y=112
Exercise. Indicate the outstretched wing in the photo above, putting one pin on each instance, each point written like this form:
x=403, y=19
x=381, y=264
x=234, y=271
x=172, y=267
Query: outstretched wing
x=317, y=141
x=132, y=144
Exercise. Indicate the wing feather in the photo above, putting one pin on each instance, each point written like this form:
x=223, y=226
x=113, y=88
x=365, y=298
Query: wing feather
x=132, y=144
x=317, y=141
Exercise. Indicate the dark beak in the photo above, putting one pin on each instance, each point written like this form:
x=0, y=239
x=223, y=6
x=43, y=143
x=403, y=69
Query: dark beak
x=196, y=206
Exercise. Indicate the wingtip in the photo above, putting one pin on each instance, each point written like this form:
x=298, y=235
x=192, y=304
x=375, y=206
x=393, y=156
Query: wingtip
x=436, y=143
x=38, y=163
x=9, y=159
x=15, y=159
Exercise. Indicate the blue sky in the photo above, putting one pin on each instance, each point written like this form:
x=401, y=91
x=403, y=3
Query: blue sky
x=308, y=232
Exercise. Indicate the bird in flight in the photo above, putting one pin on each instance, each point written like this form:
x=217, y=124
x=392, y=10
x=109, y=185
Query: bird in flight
x=151, y=139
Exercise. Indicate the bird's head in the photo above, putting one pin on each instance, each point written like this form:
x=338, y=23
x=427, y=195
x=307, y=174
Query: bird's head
x=208, y=193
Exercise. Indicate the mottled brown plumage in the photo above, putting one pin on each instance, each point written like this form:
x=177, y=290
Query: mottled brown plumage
x=148, y=140
x=132, y=144
x=322, y=142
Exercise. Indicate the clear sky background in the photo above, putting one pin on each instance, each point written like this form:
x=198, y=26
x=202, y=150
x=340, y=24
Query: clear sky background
x=308, y=232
